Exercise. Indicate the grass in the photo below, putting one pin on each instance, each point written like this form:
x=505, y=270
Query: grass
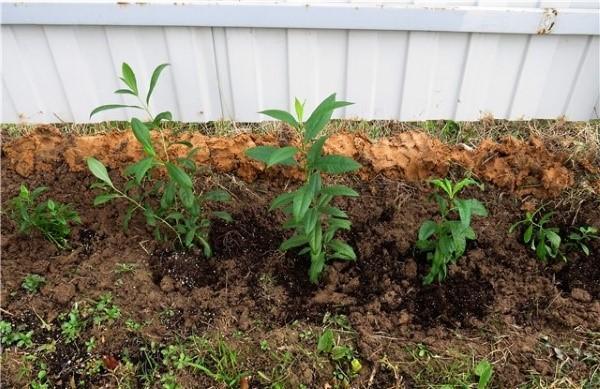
x=574, y=137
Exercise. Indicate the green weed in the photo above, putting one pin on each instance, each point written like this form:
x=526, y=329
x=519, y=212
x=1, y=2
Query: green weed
x=50, y=217
x=32, y=283
x=545, y=241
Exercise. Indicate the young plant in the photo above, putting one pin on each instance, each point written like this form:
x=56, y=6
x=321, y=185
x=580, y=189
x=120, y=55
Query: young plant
x=50, y=217
x=580, y=237
x=309, y=211
x=159, y=186
x=32, y=283
x=545, y=241
x=445, y=241
x=347, y=365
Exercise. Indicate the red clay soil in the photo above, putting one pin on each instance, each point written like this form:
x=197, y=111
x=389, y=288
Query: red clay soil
x=497, y=299
x=523, y=167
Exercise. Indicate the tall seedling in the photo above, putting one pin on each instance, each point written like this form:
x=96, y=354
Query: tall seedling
x=159, y=186
x=309, y=211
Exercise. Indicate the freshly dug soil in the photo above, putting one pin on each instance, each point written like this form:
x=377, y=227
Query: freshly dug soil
x=498, y=300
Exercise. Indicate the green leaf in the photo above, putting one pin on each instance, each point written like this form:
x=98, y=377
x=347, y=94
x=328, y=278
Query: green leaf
x=124, y=92
x=340, y=352
x=177, y=174
x=140, y=168
x=299, y=107
x=186, y=195
x=336, y=164
x=99, y=170
x=284, y=154
x=528, y=234
x=321, y=116
x=217, y=195
x=168, y=196
x=112, y=106
x=334, y=211
x=339, y=190
x=315, y=238
x=315, y=151
x=129, y=77
x=342, y=249
x=326, y=341
x=264, y=154
x=163, y=116
x=294, y=241
x=101, y=199
x=223, y=215
x=281, y=115
x=477, y=208
x=310, y=220
x=340, y=223
x=282, y=200
x=554, y=240
x=142, y=134
x=484, y=371
x=317, y=263
x=301, y=201
x=154, y=79
x=427, y=229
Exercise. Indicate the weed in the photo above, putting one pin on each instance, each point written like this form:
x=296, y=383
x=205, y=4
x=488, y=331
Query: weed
x=580, y=237
x=314, y=221
x=132, y=325
x=219, y=363
x=484, y=371
x=50, y=217
x=545, y=241
x=123, y=268
x=41, y=381
x=73, y=325
x=445, y=241
x=32, y=283
x=105, y=310
x=171, y=206
x=343, y=357
x=9, y=337
x=90, y=344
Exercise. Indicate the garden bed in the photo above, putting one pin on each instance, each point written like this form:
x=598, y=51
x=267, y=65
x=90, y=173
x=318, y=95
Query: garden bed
x=537, y=324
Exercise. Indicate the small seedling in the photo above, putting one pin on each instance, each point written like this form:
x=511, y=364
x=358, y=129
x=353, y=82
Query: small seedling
x=545, y=241
x=445, y=241
x=160, y=186
x=33, y=282
x=41, y=381
x=580, y=238
x=50, y=217
x=132, y=325
x=310, y=214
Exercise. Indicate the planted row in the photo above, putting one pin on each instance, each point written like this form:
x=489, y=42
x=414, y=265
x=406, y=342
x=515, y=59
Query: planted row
x=161, y=188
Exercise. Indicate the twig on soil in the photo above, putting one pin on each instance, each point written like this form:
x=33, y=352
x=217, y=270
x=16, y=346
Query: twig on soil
x=372, y=377
x=142, y=246
x=5, y=311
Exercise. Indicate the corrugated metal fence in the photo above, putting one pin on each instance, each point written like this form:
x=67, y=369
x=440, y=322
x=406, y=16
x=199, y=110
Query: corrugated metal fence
x=395, y=60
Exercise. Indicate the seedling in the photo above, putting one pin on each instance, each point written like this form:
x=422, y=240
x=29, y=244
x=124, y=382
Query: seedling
x=90, y=344
x=50, y=217
x=545, y=241
x=310, y=214
x=123, y=268
x=580, y=237
x=160, y=186
x=445, y=241
x=33, y=282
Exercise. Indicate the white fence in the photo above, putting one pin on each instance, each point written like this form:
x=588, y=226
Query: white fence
x=396, y=60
